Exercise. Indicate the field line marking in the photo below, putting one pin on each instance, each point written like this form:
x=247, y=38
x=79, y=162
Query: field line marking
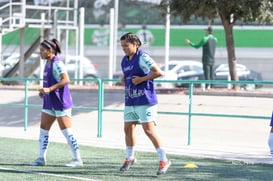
x=49, y=174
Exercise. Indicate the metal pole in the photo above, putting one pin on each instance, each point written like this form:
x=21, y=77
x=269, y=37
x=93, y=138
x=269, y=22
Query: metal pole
x=111, y=44
x=77, y=36
x=23, y=12
x=77, y=50
x=115, y=34
x=42, y=38
x=81, y=51
x=22, y=57
x=66, y=30
x=190, y=111
x=100, y=106
x=167, y=42
x=26, y=106
x=55, y=24
x=75, y=12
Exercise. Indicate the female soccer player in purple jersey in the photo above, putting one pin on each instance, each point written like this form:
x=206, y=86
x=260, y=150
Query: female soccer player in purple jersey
x=139, y=70
x=57, y=103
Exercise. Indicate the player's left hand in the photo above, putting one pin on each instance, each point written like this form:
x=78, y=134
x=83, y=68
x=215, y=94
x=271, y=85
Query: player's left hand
x=136, y=80
x=44, y=90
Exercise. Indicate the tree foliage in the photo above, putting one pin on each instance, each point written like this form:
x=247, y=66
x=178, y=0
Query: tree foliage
x=243, y=10
x=229, y=12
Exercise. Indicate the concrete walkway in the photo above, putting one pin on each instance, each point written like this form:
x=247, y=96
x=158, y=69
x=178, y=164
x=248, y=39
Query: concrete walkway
x=215, y=137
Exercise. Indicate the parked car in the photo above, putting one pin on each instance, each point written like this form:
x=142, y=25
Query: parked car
x=89, y=69
x=180, y=70
x=2, y=68
x=244, y=74
x=177, y=69
x=11, y=60
x=193, y=70
x=222, y=73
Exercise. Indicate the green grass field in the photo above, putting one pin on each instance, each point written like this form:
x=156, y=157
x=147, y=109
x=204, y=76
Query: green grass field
x=103, y=164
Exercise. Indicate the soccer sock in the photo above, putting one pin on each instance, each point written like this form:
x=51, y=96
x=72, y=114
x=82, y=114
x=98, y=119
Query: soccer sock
x=161, y=154
x=43, y=143
x=270, y=143
x=130, y=152
x=71, y=140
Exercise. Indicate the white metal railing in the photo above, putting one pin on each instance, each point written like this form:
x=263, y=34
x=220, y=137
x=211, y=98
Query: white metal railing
x=56, y=17
x=14, y=18
x=64, y=17
x=66, y=20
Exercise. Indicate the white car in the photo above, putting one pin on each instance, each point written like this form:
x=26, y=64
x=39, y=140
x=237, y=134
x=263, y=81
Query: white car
x=243, y=73
x=72, y=64
x=90, y=70
x=179, y=69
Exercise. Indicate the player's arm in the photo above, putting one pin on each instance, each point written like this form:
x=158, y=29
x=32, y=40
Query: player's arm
x=64, y=79
x=149, y=66
x=60, y=74
x=197, y=45
x=155, y=72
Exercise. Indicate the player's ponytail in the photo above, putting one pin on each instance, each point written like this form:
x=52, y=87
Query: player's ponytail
x=57, y=46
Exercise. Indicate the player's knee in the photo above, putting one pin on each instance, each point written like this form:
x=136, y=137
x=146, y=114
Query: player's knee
x=148, y=132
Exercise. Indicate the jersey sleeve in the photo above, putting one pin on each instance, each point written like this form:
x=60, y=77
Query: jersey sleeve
x=58, y=69
x=202, y=42
x=146, y=62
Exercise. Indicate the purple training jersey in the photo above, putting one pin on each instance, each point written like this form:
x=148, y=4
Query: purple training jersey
x=143, y=93
x=59, y=99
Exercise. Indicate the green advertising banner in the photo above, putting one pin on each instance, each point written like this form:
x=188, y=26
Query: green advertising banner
x=242, y=37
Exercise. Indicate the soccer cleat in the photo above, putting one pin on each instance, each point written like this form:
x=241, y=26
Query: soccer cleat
x=163, y=167
x=75, y=163
x=127, y=164
x=38, y=162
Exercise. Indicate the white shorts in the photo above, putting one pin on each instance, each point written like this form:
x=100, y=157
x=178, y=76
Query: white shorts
x=56, y=113
x=141, y=114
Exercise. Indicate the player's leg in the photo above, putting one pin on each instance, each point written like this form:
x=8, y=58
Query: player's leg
x=148, y=115
x=65, y=124
x=130, y=138
x=46, y=122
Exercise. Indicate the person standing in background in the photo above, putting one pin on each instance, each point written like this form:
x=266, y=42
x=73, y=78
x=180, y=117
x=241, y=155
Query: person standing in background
x=57, y=103
x=208, y=42
x=145, y=36
x=100, y=36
